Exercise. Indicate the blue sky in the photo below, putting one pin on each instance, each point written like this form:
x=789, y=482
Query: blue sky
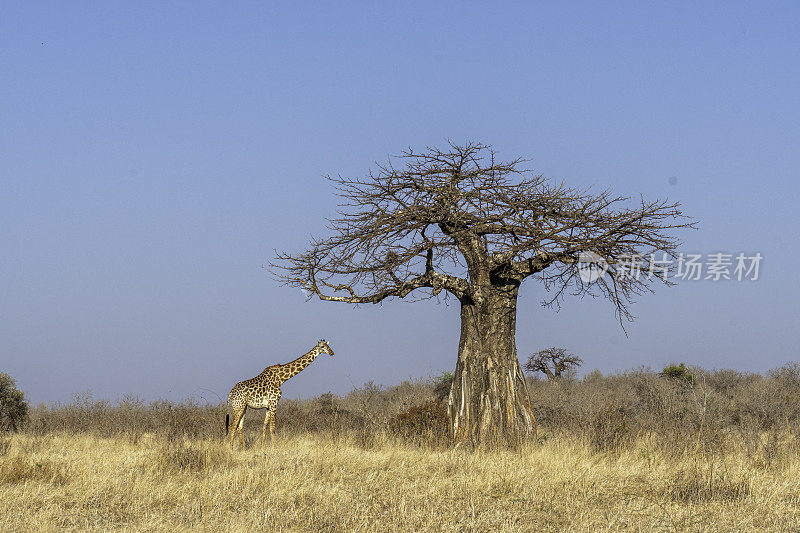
x=152, y=155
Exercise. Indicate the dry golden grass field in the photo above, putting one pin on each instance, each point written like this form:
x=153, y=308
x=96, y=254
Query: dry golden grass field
x=79, y=483
x=636, y=451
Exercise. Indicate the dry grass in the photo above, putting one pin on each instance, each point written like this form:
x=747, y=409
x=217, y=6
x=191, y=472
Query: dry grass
x=304, y=483
x=630, y=451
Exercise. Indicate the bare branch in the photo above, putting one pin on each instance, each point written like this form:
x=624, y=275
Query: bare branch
x=458, y=219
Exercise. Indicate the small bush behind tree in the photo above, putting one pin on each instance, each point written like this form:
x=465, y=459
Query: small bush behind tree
x=422, y=423
x=13, y=406
x=441, y=385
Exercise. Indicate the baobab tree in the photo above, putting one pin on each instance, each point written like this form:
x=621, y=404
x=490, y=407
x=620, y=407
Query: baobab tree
x=553, y=362
x=457, y=221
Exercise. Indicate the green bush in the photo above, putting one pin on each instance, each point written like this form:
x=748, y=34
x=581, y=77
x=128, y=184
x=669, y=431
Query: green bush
x=13, y=407
x=678, y=372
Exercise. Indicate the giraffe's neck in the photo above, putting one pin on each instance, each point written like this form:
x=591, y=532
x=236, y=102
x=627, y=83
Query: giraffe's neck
x=294, y=367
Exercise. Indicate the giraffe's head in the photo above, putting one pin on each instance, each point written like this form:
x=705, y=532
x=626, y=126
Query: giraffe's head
x=323, y=347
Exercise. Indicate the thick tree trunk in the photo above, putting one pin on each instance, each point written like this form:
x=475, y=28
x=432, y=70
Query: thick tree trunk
x=489, y=402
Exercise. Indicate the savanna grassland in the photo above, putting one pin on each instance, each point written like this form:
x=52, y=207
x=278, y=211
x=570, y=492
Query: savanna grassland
x=694, y=450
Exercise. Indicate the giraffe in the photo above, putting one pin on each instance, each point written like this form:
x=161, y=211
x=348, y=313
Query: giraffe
x=264, y=390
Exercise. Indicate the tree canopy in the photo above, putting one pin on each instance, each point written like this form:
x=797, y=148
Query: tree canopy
x=457, y=219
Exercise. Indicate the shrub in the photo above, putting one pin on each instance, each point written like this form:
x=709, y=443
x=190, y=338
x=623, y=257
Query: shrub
x=678, y=372
x=13, y=407
x=717, y=409
x=426, y=421
x=609, y=429
x=442, y=384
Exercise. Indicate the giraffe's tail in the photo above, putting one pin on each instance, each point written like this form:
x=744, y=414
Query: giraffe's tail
x=227, y=422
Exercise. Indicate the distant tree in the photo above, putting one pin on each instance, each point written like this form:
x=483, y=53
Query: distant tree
x=13, y=406
x=458, y=221
x=553, y=362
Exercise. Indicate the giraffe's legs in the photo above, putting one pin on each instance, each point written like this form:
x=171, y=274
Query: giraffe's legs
x=237, y=426
x=267, y=421
x=239, y=429
x=272, y=428
x=272, y=408
x=238, y=421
